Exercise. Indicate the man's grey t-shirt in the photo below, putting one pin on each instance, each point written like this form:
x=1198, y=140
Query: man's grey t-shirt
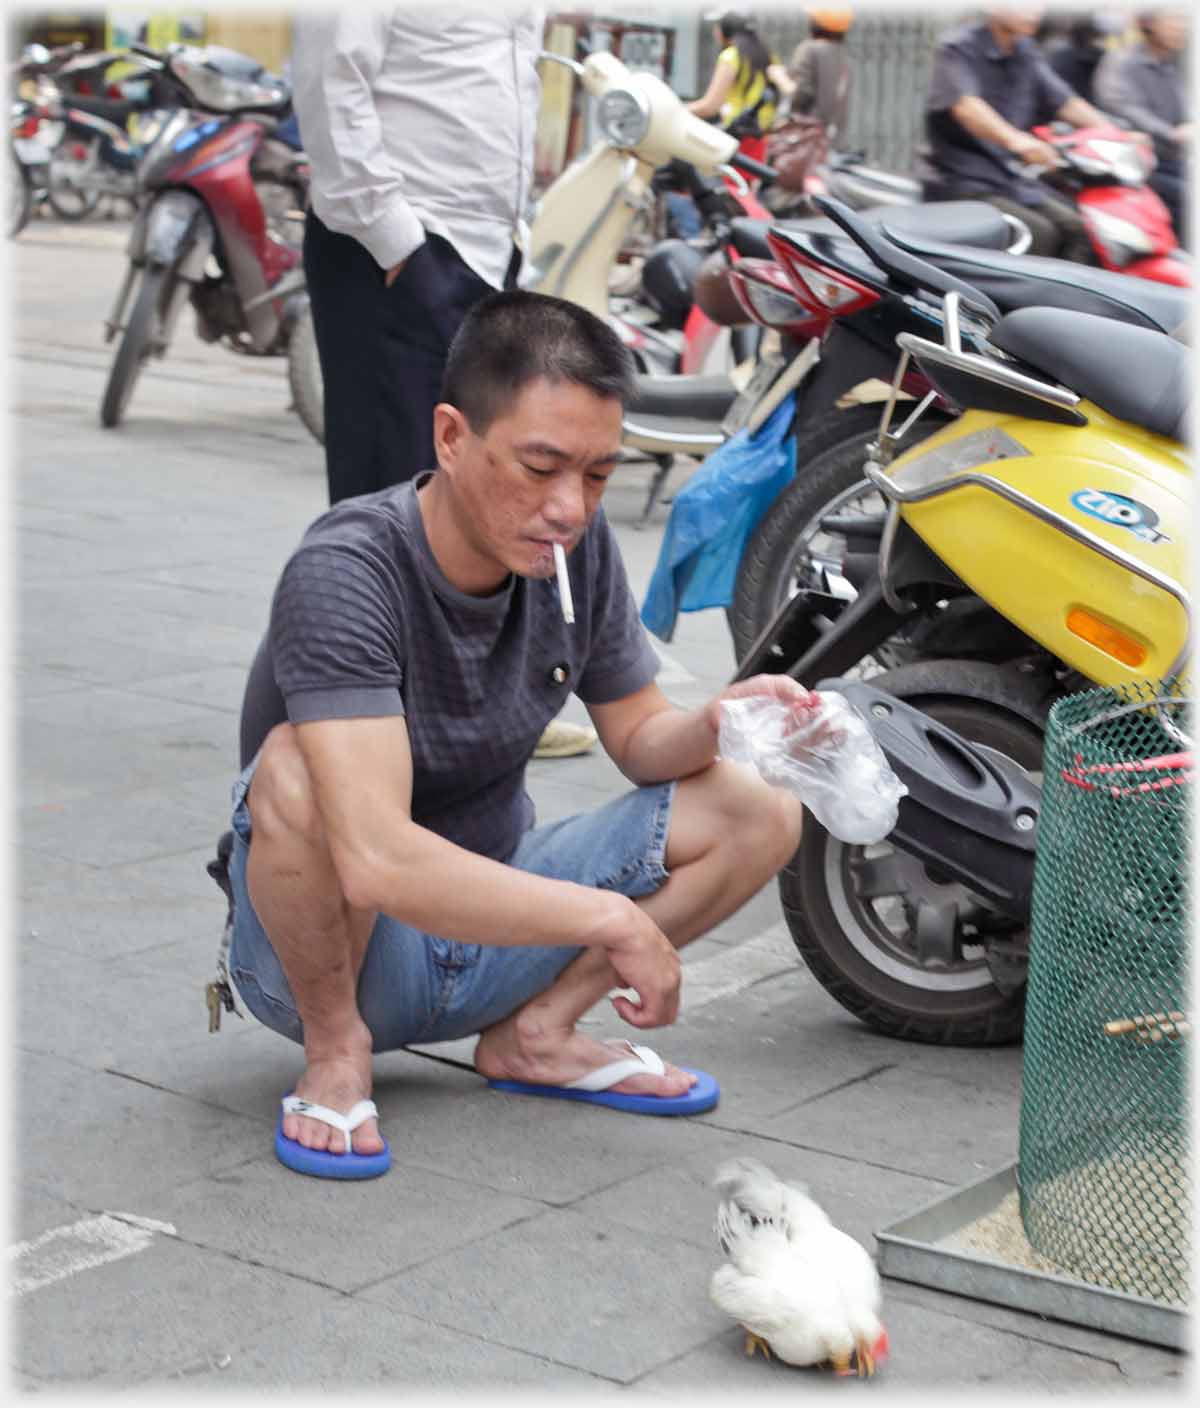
x=363, y=623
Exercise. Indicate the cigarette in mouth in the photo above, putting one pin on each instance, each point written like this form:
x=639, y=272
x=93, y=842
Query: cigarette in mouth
x=564, y=584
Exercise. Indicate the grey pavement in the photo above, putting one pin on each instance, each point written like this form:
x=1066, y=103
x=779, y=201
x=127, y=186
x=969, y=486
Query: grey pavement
x=516, y=1243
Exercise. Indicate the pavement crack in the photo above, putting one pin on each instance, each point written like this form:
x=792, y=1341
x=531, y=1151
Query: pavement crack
x=850, y=1158
x=841, y=1085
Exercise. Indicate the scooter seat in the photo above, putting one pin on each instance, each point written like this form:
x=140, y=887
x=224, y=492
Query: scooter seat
x=702, y=398
x=1133, y=373
x=111, y=109
x=965, y=222
x=1027, y=280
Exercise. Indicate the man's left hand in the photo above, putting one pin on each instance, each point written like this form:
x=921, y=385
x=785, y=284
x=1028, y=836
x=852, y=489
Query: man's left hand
x=780, y=687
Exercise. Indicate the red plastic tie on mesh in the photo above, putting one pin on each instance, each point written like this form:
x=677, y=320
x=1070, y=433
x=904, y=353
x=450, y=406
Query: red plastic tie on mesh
x=1179, y=765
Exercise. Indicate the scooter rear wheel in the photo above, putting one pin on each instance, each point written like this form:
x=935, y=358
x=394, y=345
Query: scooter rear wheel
x=66, y=199
x=20, y=199
x=856, y=912
x=154, y=290
x=304, y=377
x=780, y=556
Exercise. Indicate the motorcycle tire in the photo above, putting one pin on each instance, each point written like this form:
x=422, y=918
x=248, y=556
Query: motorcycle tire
x=838, y=908
x=830, y=453
x=304, y=377
x=134, y=350
x=20, y=199
x=65, y=200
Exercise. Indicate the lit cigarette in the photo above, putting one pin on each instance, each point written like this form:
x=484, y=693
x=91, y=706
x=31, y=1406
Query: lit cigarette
x=564, y=584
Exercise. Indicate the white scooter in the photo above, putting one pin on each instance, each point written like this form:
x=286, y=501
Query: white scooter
x=579, y=226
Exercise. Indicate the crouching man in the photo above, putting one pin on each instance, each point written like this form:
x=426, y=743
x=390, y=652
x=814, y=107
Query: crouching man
x=390, y=883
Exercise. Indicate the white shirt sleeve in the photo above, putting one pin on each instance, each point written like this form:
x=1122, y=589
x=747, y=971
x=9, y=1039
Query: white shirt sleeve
x=356, y=188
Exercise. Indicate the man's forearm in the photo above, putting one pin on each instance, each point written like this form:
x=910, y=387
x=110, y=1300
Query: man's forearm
x=983, y=121
x=669, y=745
x=1080, y=113
x=433, y=885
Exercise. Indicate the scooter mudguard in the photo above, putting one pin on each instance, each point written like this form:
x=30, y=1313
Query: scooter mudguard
x=176, y=229
x=971, y=813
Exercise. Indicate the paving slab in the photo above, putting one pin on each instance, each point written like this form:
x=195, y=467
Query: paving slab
x=106, y=1141
x=616, y=1323
x=146, y=1006
x=152, y=1313
x=334, y=1346
x=267, y=1214
x=116, y=828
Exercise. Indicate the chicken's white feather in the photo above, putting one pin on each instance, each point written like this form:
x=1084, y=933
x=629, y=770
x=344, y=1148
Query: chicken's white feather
x=794, y=1279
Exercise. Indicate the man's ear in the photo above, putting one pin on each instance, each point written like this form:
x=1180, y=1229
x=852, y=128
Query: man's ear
x=450, y=435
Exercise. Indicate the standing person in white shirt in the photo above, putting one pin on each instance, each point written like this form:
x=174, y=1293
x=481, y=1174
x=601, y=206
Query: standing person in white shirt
x=419, y=128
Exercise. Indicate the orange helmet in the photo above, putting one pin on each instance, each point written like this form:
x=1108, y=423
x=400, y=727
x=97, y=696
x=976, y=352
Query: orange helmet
x=837, y=19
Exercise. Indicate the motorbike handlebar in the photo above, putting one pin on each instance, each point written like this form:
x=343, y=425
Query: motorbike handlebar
x=766, y=174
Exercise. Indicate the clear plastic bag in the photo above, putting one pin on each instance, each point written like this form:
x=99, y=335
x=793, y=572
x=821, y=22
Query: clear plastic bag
x=827, y=756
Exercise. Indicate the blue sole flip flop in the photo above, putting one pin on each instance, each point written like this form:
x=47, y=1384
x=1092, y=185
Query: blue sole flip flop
x=320, y=1163
x=594, y=1088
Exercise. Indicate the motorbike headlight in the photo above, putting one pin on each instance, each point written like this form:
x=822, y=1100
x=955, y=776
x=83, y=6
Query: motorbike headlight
x=1121, y=240
x=623, y=117
x=220, y=90
x=1129, y=162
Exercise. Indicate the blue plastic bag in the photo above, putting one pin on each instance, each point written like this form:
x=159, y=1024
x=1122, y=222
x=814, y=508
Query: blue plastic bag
x=712, y=519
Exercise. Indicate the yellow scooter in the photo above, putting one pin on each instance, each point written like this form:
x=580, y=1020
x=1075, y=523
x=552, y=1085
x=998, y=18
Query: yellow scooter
x=1047, y=530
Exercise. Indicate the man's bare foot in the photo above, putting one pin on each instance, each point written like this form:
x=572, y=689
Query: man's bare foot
x=339, y=1083
x=517, y=1049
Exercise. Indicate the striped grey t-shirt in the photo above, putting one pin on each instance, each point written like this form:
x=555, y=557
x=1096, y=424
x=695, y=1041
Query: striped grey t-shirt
x=363, y=623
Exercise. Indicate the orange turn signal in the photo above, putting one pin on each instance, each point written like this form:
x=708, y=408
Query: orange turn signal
x=1105, y=637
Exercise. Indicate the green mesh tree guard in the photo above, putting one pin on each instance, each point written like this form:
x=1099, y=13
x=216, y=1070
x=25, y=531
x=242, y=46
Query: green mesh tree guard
x=1104, y=1164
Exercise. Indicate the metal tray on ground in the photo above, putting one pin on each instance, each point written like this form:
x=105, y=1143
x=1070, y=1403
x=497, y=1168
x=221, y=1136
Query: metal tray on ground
x=909, y=1251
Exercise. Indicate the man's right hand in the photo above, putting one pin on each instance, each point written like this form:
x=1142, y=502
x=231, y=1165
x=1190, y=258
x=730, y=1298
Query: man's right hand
x=390, y=277
x=644, y=959
x=1035, y=152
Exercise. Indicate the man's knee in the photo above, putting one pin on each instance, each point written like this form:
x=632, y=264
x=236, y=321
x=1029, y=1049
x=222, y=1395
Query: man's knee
x=760, y=820
x=281, y=799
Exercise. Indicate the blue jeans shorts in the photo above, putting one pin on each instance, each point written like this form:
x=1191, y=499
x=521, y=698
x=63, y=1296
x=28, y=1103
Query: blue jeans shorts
x=416, y=987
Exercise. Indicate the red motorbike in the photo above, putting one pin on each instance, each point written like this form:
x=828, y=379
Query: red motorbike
x=1104, y=170
x=214, y=187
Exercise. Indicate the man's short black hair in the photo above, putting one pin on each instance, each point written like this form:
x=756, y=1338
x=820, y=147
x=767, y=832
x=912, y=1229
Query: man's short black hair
x=509, y=339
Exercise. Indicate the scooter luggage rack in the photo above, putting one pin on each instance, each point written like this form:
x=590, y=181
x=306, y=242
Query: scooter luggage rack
x=882, y=452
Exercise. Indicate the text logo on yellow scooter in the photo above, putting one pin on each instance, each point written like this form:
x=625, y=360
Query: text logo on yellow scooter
x=1121, y=512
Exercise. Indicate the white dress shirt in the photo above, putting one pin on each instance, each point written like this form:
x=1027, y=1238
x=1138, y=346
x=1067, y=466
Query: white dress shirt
x=420, y=120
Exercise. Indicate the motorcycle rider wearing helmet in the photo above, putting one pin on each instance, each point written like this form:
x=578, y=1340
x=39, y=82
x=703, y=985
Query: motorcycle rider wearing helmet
x=989, y=85
x=819, y=69
x=745, y=84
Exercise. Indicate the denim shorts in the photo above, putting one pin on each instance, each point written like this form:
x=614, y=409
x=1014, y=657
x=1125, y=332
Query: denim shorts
x=416, y=987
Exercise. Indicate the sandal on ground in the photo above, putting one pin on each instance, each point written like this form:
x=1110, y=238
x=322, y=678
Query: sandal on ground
x=595, y=1088
x=325, y=1163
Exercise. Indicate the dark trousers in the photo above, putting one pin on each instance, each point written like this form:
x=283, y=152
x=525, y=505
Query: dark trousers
x=1056, y=226
x=382, y=352
x=1170, y=179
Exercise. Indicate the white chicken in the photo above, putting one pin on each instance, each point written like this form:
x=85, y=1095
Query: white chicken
x=796, y=1285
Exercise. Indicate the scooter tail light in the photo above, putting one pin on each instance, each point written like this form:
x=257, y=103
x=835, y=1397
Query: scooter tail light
x=766, y=302
x=834, y=292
